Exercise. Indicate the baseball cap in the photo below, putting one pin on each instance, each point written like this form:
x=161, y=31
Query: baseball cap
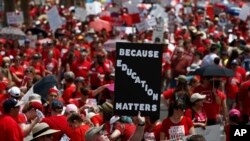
x=79, y=79
x=181, y=78
x=197, y=96
x=8, y=104
x=56, y=104
x=71, y=108
x=69, y=75
x=14, y=91
x=53, y=90
x=234, y=112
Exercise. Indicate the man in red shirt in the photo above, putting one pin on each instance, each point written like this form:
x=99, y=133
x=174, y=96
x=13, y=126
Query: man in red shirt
x=10, y=130
x=81, y=66
x=70, y=88
x=57, y=121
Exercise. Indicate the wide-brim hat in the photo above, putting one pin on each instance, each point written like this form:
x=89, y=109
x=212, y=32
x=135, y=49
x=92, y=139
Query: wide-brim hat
x=42, y=129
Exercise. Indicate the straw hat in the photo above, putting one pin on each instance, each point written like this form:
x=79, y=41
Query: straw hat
x=42, y=129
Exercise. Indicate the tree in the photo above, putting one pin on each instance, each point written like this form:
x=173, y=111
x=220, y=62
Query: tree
x=26, y=8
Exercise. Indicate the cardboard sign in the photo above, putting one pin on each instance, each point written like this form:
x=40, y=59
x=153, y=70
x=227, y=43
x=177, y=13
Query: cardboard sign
x=14, y=18
x=80, y=14
x=158, y=11
x=244, y=13
x=142, y=26
x=151, y=22
x=211, y=133
x=158, y=32
x=93, y=8
x=137, y=87
x=55, y=21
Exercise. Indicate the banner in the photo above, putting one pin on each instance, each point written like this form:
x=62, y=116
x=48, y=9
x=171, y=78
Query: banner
x=14, y=18
x=137, y=85
x=55, y=21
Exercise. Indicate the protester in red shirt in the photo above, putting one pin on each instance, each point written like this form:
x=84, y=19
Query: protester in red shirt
x=70, y=86
x=196, y=112
x=51, y=64
x=99, y=68
x=152, y=129
x=38, y=66
x=17, y=71
x=10, y=130
x=123, y=129
x=244, y=104
x=81, y=66
x=78, y=127
x=179, y=64
x=176, y=126
x=215, y=99
x=57, y=121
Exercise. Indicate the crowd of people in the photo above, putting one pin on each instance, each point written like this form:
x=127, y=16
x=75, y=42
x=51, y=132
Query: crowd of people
x=80, y=106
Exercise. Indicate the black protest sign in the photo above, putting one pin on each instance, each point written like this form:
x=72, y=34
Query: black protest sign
x=138, y=79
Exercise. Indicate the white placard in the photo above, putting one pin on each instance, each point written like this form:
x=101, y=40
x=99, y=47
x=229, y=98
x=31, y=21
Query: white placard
x=132, y=9
x=158, y=11
x=14, y=18
x=151, y=22
x=93, y=8
x=127, y=30
x=211, y=133
x=158, y=32
x=142, y=26
x=55, y=21
x=244, y=12
x=187, y=10
x=80, y=14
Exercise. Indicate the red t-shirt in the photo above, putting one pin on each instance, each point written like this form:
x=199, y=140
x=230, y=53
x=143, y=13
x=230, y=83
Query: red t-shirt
x=211, y=108
x=152, y=133
x=77, y=134
x=97, y=119
x=196, y=117
x=244, y=98
x=10, y=130
x=176, y=130
x=58, y=123
x=127, y=130
x=67, y=94
x=18, y=71
x=81, y=68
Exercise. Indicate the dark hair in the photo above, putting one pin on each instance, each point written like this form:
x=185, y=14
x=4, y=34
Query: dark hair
x=84, y=91
x=73, y=117
x=197, y=137
x=176, y=104
x=213, y=48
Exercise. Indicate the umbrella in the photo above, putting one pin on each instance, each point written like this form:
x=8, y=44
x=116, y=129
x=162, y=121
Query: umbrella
x=110, y=45
x=36, y=31
x=99, y=24
x=42, y=87
x=213, y=70
x=12, y=33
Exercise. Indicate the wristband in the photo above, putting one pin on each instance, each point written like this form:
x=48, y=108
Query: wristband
x=142, y=124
